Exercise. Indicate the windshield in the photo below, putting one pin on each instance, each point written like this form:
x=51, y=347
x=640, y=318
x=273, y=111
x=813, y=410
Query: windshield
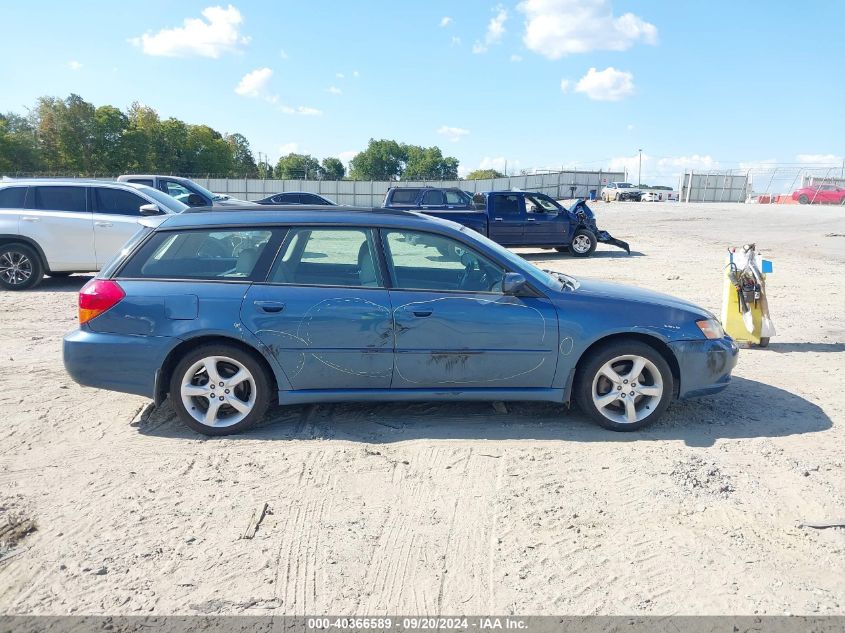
x=624, y=185
x=171, y=204
x=517, y=262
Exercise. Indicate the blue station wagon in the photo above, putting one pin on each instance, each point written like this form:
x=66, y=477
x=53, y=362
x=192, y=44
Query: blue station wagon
x=229, y=312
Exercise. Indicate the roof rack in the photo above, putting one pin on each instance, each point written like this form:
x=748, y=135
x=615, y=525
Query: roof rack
x=298, y=207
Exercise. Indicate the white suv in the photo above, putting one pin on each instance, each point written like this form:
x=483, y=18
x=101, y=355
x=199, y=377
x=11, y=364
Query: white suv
x=59, y=227
x=620, y=191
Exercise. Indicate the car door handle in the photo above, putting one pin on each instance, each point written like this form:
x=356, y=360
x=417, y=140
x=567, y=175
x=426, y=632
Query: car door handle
x=105, y=225
x=497, y=220
x=270, y=306
x=28, y=218
x=422, y=313
x=530, y=219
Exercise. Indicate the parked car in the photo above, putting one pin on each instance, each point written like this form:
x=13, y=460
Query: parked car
x=519, y=218
x=297, y=197
x=59, y=227
x=427, y=198
x=184, y=190
x=620, y=191
x=227, y=312
x=820, y=194
x=658, y=194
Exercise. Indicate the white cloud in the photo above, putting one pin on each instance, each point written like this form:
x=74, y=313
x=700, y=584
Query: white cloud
x=499, y=163
x=283, y=54
x=664, y=170
x=356, y=74
x=819, y=159
x=347, y=155
x=218, y=34
x=456, y=41
x=555, y=28
x=339, y=75
x=630, y=127
x=334, y=90
x=445, y=21
x=288, y=148
x=254, y=83
x=565, y=85
x=301, y=110
x=454, y=134
x=606, y=85
x=516, y=58
x=495, y=31
x=74, y=65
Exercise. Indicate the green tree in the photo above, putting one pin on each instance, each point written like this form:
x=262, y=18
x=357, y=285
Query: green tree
x=243, y=162
x=428, y=163
x=484, y=174
x=110, y=127
x=382, y=160
x=299, y=167
x=333, y=169
x=207, y=152
x=18, y=145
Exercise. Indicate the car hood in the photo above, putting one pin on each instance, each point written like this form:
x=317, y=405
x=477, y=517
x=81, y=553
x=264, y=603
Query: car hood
x=623, y=292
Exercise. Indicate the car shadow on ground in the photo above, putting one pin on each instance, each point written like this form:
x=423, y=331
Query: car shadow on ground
x=747, y=409
x=73, y=283
x=553, y=255
x=805, y=347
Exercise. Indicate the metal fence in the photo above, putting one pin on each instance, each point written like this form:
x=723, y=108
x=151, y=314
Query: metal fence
x=564, y=184
x=714, y=186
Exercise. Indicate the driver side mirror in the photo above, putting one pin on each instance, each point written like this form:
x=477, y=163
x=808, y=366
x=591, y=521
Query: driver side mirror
x=513, y=283
x=196, y=200
x=150, y=209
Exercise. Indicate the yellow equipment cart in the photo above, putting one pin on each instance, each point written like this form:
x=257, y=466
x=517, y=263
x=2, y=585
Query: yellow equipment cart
x=745, y=307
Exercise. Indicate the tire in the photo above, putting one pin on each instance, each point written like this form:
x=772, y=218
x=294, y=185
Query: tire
x=617, y=414
x=20, y=267
x=562, y=249
x=583, y=243
x=617, y=198
x=803, y=199
x=764, y=341
x=191, y=393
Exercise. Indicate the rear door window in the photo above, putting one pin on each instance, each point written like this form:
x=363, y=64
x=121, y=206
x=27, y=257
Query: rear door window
x=218, y=254
x=433, y=198
x=310, y=198
x=504, y=204
x=12, y=197
x=327, y=257
x=287, y=198
x=456, y=197
x=60, y=199
x=118, y=201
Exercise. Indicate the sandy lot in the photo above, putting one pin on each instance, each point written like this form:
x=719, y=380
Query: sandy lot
x=449, y=508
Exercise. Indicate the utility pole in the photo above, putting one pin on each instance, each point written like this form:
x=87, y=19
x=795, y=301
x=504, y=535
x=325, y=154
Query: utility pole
x=640, y=173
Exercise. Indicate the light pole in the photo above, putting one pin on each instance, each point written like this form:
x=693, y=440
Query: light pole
x=640, y=172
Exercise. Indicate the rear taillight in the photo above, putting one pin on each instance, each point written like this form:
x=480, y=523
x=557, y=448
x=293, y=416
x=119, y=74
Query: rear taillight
x=97, y=296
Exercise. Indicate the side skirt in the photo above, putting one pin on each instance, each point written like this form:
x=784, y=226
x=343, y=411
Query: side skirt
x=306, y=396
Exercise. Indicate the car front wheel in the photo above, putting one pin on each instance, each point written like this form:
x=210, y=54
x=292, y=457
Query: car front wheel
x=20, y=267
x=803, y=199
x=219, y=389
x=583, y=243
x=624, y=385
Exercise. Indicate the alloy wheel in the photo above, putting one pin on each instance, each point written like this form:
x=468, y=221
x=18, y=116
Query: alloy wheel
x=218, y=391
x=581, y=244
x=15, y=268
x=627, y=389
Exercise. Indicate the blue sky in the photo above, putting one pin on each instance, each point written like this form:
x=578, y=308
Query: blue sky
x=702, y=85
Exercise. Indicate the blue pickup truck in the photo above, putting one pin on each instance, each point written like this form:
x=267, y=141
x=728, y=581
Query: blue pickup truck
x=511, y=218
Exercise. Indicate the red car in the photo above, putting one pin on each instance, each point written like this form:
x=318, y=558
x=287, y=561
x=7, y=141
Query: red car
x=831, y=194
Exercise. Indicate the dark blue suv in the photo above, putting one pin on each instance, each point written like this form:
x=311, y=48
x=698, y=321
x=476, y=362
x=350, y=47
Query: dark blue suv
x=227, y=312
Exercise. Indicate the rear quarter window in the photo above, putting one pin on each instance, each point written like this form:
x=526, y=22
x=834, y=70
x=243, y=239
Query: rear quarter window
x=404, y=196
x=12, y=197
x=210, y=254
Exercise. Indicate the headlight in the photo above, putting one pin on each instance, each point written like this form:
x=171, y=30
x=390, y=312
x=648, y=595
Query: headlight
x=711, y=328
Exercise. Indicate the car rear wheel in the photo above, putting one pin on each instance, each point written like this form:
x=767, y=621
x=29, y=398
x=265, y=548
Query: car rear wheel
x=803, y=199
x=583, y=243
x=219, y=389
x=20, y=267
x=624, y=385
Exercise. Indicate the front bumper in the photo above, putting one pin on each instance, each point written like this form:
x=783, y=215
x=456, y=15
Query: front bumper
x=118, y=362
x=705, y=365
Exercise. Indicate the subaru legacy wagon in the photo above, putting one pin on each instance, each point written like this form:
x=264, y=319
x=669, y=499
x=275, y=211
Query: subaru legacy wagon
x=226, y=313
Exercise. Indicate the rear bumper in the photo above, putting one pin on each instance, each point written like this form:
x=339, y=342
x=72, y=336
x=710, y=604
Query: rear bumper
x=118, y=362
x=705, y=365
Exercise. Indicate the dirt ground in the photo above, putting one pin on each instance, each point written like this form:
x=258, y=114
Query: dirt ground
x=453, y=508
